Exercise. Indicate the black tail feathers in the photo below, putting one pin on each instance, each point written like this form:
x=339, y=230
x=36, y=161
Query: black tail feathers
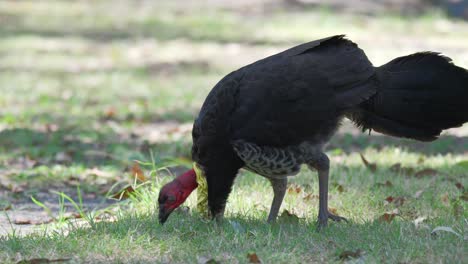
x=418, y=96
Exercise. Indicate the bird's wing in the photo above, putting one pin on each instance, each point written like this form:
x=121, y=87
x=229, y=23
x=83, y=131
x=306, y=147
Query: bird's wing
x=300, y=94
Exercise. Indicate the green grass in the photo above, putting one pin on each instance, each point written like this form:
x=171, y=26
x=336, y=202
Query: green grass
x=136, y=236
x=87, y=88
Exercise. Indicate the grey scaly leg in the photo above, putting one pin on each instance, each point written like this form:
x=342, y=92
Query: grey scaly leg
x=322, y=164
x=279, y=189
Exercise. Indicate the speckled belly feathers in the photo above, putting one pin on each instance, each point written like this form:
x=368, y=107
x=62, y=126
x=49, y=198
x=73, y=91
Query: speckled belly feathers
x=273, y=162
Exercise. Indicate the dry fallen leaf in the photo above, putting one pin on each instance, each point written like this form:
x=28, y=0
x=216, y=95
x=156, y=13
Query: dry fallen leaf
x=6, y=207
x=27, y=221
x=310, y=196
x=124, y=194
x=333, y=210
x=398, y=201
x=294, y=189
x=426, y=172
x=137, y=172
x=72, y=215
x=460, y=186
x=109, y=113
x=348, y=254
x=371, y=166
x=389, y=216
x=253, y=258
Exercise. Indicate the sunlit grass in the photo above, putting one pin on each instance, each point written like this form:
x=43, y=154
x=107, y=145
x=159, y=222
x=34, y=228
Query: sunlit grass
x=186, y=236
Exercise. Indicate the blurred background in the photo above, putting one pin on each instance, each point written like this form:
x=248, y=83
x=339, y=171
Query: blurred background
x=86, y=87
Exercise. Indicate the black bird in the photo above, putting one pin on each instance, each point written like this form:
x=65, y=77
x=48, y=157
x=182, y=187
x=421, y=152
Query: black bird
x=271, y=116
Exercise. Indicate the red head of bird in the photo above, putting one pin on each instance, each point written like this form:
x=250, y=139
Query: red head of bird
x=173, y=194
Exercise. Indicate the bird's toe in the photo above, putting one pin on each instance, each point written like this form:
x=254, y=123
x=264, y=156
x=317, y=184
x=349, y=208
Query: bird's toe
x=337, y=218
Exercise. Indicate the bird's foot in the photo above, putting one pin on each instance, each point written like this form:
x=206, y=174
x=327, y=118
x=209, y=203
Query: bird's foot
x=336, y=218
x=323, y=219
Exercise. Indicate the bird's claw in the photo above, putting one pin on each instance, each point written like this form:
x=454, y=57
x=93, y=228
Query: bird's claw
x=336, y=218
x=323, y=219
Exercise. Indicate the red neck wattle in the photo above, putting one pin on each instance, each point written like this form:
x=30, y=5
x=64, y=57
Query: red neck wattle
x=188, y=180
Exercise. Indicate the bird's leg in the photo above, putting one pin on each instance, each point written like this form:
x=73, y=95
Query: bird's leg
x=322, y=164
x=279, y=189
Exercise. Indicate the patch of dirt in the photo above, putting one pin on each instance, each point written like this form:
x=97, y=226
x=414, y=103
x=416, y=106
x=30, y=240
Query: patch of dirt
x=22, y=216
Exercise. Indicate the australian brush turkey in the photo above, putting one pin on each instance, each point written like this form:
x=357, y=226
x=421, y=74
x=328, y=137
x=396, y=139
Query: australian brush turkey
x=275, y=114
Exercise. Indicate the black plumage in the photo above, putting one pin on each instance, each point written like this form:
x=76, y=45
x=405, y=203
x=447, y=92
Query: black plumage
x=296, y=99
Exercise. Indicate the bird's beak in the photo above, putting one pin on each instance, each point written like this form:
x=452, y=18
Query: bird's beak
x=163, y=215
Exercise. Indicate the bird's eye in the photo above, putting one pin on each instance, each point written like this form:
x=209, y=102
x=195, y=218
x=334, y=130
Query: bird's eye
x=171, y=198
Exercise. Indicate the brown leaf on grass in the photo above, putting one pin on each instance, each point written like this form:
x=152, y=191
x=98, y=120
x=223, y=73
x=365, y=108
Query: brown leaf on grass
x=371, y=166
x=27, y=221
x=42, y=260
x=333, y=210
x=460, y=186
x=398, y=201
x=294, y=189
x=389, y=199
x=124, y=194
x=109, y=113
x=310, y=196
x=426, y=172
x=348, y=254
x=384, y=184
x=388, y=216
x=137, y=172
x=253, y=258
x=6, y=207
x=72, y=215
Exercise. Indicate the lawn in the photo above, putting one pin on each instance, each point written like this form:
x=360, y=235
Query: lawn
x=91, y=88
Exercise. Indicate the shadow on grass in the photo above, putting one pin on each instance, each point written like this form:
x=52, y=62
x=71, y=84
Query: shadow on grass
x=348, y=143
x=106, y=147
x=147, y=69
x=194, y=28
x=83, y=147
